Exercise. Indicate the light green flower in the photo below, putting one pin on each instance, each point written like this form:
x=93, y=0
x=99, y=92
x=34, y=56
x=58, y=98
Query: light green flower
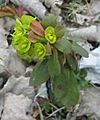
x=19, y=29
x=50, y=34
x=21, y=44
x=27, y=19
x=39, y=50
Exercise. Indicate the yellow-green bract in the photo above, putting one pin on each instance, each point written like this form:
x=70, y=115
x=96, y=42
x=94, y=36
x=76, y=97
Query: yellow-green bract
x=39, y=50
x=21, y=44
x=50, y=34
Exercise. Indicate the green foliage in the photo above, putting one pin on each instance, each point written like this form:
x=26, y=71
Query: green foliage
x=40, y=73
x=46, y=107
x=79, y=50
x=49, y=20
x=65, y=88
x=56, y=52
x=54, y=66
x=59, y=31
x=63, y=45
x=81, y=78
x=72, y=62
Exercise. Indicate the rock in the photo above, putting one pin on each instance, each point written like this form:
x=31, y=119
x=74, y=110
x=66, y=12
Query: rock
x=10, y=62
x=22, y=87
x=15, y=65
x=1, y=105
x=3, y=59
x=3, y=41
x=16, y=107
x=42, y=92
x=90, y=103
x=5, y=25
x=95, y=8
x=92, y=64
x=18, y=86
x=28, y=71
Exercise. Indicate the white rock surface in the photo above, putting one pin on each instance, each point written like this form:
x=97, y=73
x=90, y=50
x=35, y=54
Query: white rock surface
x=9, y=61
x=3, y=41
x=90, y=103
x=15, y=65
x=95, y=6
x=92, y=63
x=18, y=86
x=15, y=107
x=35, y=7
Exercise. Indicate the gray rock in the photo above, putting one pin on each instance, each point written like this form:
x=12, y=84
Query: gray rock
x=3, y=41
x=22, y=87
x=18, y=86
x=93, y=65
x=10, y=62
x=15, y=107
x=14, y=64
x=1, y=104
x=28, y=71
x=90, y=103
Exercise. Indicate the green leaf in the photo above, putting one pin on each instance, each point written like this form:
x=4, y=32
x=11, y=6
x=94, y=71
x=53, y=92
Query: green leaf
x=83, y=73
x=79, y=50
x=54, y=65
x=82, y=82
x=63, y=45
x=72, y=62
x=40, y=73
x=65, y=88
x=59, y=30
x=49, y=20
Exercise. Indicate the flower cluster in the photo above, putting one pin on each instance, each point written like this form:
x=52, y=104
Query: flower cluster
x=32, y=37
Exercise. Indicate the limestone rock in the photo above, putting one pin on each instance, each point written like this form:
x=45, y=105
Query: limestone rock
x=18, y=86
x=90, y=103
x=10, y=62
x=16, y=107
x=93, y=65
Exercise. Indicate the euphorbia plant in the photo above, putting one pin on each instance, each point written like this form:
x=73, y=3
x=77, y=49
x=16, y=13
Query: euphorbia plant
x=56, y=52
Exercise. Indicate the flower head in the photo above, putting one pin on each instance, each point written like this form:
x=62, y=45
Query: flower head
x=50, y=34
x=21, y=44
x=39, y=50
x=19, y=29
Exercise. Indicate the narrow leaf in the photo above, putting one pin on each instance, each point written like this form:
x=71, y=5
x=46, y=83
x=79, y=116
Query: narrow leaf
x=63, y=45
x=79, y=50
x=54, y=65
x=59, y=30
x=72, y=62
x=40, y=73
